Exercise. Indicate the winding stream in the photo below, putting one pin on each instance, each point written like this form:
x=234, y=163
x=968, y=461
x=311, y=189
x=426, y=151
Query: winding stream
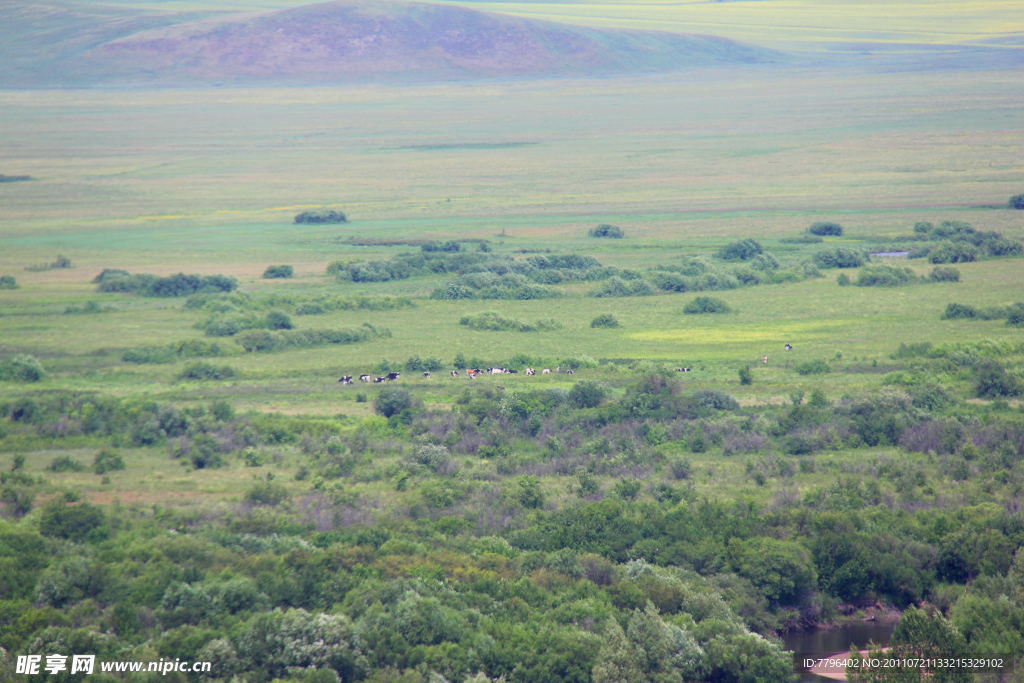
x=819, y=643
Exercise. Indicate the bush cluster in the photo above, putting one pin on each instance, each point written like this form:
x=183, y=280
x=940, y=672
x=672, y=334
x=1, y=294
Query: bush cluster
x=605, y=230
x=743, y=250
x=265, y=340
x=278, y=272
x=207, y=371
x=170, y=286
x=812, y=367
x=321, y=217
x=885, y=276
x=8, y=282
x=840, y=257
x=495, y=322
x=826, y=229
x=21, y=368
x=706, y=304
x=605, y=320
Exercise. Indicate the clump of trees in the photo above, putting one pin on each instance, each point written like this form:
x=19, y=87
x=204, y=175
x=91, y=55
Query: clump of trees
x=1017, y=201
x=841, y=257
x=496, y=322
x=61, y=261
x=278, y=272
x=606, y=230
x=21, y=368
x=605, y=320
x=743, y=250
x=706, y=304
x=885, y=276
x=826, y=229
x=144, y=284
x=8, y=282
x=321, y=217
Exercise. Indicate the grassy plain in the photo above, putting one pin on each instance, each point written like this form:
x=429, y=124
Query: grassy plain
x=208, y=181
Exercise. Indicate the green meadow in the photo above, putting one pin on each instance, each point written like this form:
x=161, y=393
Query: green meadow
x=506, y=526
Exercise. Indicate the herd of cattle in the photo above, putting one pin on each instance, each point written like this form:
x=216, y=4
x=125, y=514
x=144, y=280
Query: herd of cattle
x=473, y=372
x=470, y=372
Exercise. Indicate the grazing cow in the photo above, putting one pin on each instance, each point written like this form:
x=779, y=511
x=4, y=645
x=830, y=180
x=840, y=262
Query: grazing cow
x=364, y=378
x=347, y=379
x=531, y=371
x=455, y=373
x=378, y=380
x=392, y=376
x=545, y=371
x=427, y=375
x=497, y=371
x=682, y=369
x=568, y=372
x=512, y=372
x=765, y=360
x=789, y=347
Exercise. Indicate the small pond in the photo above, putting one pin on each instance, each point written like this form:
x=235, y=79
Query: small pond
x=819, y=643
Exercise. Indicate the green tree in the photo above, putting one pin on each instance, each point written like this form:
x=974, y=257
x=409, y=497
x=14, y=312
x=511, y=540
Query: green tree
x=918, y=635
x=586, y=394
x=746, y=377
x=616, y=662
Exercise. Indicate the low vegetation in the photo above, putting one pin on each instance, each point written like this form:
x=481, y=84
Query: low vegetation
x=321, y=217
x=606, y=230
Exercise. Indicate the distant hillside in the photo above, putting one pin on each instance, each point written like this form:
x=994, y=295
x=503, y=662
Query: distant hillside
x=345, y=41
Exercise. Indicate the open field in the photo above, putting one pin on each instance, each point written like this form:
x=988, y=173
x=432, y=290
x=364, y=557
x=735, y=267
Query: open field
x=512, y=525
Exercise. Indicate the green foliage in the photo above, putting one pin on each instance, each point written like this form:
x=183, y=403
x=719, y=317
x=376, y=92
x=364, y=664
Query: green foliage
x=992, y=381
x=1016, y=201
x=278, y=320
x=706, y=304
x=918, y=635
x=267, y=493
x=392, y=401
x=278, y=272
x=587, y=394
x=826, y=229
x=840, y=257
x=746, y=377
x=940, y=274
x=206, y=371
x=843, y=280
x=529, y=493
x=605, y=230
x=322, y=216
x=266, y=341
x=8, y=282
x=953, y=252
x=627, y=489
x=21, y=368
x=714, y=399
x=885, y=276
x=812, y=367
x=605, y=320
x=617, y=287
x=170, y=286
x=75, y=523
x=65, y=463
x=743, y=250
x=107, y=460
x=783, y=570
x=495, y=322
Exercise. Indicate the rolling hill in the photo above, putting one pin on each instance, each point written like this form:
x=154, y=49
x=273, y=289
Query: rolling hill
x=334, y=42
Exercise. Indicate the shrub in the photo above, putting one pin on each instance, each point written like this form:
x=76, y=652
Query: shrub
x=65, y=463
x=923, y=227
x=489, y=320
x=959, y=312
x=1000, y=248
x=107, y=461
x=75, y=523
x=706, y=304
x=627, y=489
x=826, y=229
x=940, y=274
x=266, y=493
x=1017, y=201
x=605, y=230
x=432, y=456
x=586, y=394
x=278, y=272
x=530, y=494
x=392, y=401
x=843, y=280
x=605, y=320
x=8, y=282
x=279, y=320
x=746, y=377
x=812, y=367
x=207, y=371
x=715, y=399
x=149, y=354
x=994, y=382
x=21, y=368
x=885, y=276
x=743, y=250
x=953, y=252
x=321, y=217
x=309, y=309
x=110, y=274
x=615, y=286
x=840, y=257
x=1016, y=316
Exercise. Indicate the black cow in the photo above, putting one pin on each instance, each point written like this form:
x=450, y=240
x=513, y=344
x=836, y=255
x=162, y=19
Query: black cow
x=427, y=375
x=789, y=347
x=378, y=380
x=682, y=369
x=347, y=379
x=455, y=373
x=392, y=376
x=568, y=372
